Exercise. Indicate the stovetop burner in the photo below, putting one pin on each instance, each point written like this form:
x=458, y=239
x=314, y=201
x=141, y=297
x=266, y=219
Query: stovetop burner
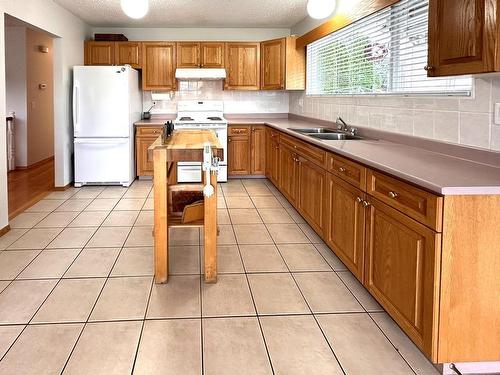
x=215, y=118
x=186, y=119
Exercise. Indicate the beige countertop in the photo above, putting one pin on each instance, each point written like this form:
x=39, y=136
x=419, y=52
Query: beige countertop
x=441, y=173
x=438, y=172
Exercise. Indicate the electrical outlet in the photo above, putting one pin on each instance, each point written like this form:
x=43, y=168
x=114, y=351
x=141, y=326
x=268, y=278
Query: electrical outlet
x=497, y=114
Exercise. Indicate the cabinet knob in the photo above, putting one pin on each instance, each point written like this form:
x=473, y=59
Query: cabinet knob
x=393, y=194
x=277, y=147
x=428, y=68
x=342, y=169
x=359, y=200
x=229, y=139
x=366, y=204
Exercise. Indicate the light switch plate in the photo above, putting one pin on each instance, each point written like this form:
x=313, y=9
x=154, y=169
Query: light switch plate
x=497, y=113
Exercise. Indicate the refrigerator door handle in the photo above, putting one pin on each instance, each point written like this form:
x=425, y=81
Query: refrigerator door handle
x=75, y=108
x=101, y=141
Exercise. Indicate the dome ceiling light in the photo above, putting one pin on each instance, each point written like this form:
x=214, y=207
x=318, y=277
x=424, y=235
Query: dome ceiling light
x=135, y=8
x=320, y=9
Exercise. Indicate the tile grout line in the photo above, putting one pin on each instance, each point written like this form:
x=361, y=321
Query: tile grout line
x=97, y=299
x=307, y=303
x=142, y=326
x=250, y=289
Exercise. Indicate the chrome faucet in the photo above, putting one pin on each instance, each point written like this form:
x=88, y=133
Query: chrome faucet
x=342, y=126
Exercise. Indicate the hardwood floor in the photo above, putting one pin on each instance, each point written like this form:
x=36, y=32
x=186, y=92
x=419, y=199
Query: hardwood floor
x=28, y=186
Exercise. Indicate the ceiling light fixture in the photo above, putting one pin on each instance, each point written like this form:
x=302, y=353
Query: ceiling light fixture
x=319, y=9
x=135, y=8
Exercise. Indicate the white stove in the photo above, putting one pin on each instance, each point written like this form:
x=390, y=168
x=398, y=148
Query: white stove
x=194, y=114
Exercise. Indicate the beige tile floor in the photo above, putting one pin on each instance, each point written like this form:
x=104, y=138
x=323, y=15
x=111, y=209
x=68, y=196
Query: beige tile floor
x=77, y=293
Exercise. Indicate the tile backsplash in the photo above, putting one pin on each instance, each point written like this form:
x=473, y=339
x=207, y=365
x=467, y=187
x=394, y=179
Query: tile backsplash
x=466, y=121
x=234, y=101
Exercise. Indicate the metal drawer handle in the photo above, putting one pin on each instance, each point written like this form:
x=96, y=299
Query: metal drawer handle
x=366, y=204
x=393, y=194
x=342, y=169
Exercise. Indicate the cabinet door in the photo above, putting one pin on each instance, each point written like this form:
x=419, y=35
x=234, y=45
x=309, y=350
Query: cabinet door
x=258, y=149
x=461, y=37
x=311, y=194
x=99, y=53
x=188, y=55
x=289, y=170
x=158, y=66
x=345, y=227
x=239, y=155
x=128, y=53
x=402, y=271
x=242, y=66
x=272, y=158
x=212, y=55
x=144, y=166
x=273, y=65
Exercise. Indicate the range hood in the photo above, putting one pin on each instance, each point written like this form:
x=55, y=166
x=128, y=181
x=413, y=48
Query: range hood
x=200, y=74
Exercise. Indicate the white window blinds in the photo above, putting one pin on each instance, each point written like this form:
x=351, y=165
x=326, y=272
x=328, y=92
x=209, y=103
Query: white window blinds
x=382, y=54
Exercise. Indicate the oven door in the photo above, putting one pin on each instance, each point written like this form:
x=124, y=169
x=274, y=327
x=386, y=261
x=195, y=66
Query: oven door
x=188, y=172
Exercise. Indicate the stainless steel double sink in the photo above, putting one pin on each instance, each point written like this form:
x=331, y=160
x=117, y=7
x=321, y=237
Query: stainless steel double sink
x=326, y=134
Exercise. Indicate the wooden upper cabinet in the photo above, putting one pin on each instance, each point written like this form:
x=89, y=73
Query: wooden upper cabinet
x=273, y=64
x=402, y=264
x=283, y=66
x=128, y=53
x=188, y=55
x=462, y=37
x=158, y=66
x=99, y=53
x=242, y=66
x=212, y=55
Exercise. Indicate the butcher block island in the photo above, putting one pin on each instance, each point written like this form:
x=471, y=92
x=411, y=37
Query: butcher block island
x=180, y=205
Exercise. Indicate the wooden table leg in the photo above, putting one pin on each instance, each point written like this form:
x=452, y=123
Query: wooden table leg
x=160, y=215
x=211, y=234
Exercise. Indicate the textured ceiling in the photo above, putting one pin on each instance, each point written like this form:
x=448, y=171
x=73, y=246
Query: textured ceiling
x=192, y=13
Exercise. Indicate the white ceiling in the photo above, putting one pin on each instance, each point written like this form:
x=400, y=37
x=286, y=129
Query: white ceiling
x=193, y=13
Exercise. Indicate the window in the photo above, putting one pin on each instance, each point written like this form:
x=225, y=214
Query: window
x=382, y=54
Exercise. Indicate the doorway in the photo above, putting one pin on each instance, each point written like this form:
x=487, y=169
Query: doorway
x=30, y=103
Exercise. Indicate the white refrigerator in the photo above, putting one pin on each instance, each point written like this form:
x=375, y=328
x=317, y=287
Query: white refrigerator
x=107, y=100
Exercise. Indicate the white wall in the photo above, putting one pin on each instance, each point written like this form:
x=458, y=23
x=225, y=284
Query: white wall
x=195, y=34
x=68, y=51
x=15, y=81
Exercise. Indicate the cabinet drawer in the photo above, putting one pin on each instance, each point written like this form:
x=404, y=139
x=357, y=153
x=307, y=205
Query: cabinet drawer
x=419, y=204
x=313, y=153
x=239, y=129
x=149, y=130
x=348, y=171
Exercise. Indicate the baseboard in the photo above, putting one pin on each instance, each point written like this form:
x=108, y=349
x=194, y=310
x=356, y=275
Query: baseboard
x=4, y=230
x=37, y=164
x=63, y=188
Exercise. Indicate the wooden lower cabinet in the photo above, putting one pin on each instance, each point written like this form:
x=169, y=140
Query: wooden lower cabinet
x=289, y=171
x=258, y=149
x=311, y=193
x=145, y=136
x=246, y=150
x=238, y=149
x=272, y=157
x=345, y=225
x=402, y=264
